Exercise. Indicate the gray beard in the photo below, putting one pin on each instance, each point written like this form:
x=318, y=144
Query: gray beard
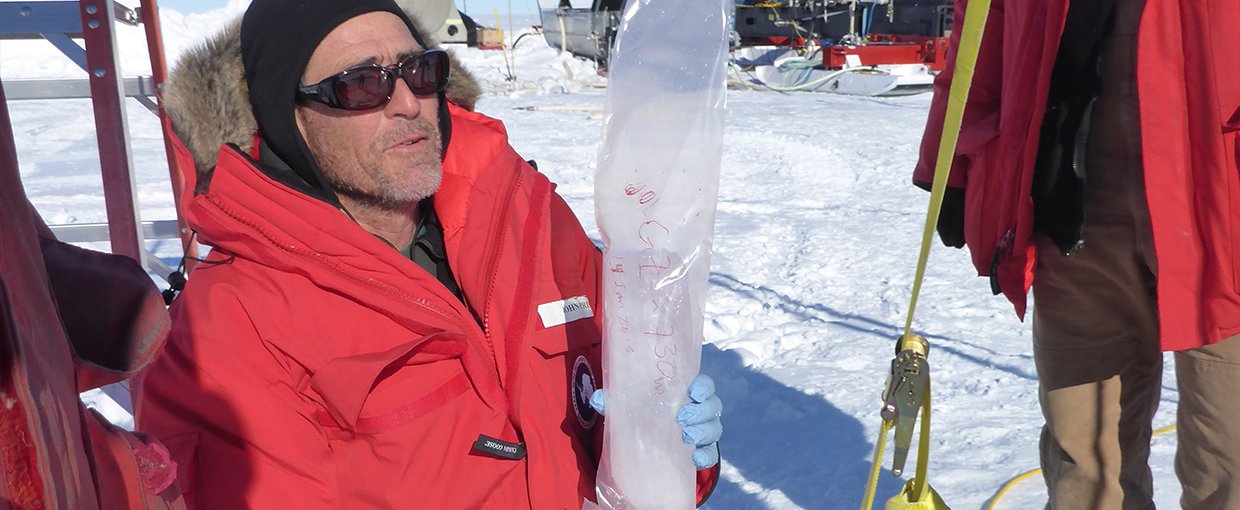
x=389, y=201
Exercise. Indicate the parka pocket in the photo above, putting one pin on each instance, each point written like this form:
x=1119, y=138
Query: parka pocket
x=375, y=392
x=565, y=366
x=575, y=334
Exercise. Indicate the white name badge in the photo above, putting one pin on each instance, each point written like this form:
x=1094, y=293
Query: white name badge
x=563, y=312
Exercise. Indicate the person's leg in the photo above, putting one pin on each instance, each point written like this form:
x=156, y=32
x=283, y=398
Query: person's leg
x=1207, y=461
x=1100, y=371
x=1095, y=325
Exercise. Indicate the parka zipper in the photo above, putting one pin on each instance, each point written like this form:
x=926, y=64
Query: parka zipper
x=492, y=261
x=1004, y=249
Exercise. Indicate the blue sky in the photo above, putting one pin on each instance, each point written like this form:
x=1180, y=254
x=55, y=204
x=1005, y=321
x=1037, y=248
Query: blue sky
x=474, y=8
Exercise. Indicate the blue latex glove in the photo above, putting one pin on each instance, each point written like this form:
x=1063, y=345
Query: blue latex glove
x=700, y=418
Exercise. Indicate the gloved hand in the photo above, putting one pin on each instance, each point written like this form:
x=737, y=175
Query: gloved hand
x=700, y=418
x=951, y=218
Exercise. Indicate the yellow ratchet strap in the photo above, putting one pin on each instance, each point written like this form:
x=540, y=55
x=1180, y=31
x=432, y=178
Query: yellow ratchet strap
x=908, y=386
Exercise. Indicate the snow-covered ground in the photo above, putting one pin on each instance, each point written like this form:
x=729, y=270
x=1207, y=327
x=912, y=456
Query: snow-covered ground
x=817, y=233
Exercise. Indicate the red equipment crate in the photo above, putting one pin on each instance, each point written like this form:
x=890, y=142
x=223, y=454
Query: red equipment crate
x=891, y=50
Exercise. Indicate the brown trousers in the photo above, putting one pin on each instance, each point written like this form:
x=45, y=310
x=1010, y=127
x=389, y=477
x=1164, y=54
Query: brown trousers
x=1100, y=378
x=1095, y=334
x=1096, y=348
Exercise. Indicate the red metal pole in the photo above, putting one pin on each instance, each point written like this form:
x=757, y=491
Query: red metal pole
x=111, y=127
x=149, y=13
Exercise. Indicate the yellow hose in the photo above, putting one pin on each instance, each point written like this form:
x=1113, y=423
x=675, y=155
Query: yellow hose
x=1028, y=474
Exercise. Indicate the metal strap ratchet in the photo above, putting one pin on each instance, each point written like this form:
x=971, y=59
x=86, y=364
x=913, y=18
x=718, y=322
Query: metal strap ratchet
x=906, y=387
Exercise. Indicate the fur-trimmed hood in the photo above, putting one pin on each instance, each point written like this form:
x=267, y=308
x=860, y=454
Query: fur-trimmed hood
x=208, y=104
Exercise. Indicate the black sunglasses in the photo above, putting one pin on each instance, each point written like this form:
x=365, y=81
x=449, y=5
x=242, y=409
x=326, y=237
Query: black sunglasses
x=371, y=86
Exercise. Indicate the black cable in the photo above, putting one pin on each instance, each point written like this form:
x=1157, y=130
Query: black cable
x=177, y=279
x=522, y=36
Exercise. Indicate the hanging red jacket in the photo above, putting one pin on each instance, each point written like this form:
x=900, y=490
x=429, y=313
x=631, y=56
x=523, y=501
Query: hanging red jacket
x=1188, y=71
x=70, y=320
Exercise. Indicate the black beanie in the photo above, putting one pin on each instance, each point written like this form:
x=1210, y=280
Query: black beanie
x=277, y=39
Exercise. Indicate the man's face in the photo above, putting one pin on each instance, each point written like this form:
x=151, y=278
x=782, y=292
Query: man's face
x=384, y=157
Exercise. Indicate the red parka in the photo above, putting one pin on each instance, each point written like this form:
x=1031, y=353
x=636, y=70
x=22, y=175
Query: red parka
x=313, y=366
x=1188, y=75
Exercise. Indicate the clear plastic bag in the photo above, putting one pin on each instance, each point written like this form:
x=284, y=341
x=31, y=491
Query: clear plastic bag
x=655, y=195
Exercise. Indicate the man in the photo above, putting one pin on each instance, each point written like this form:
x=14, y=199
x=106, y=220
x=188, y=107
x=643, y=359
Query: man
x=375, y=327
x=1098, y=163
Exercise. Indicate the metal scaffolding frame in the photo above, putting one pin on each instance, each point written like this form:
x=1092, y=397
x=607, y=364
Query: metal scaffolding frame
x=62, y=23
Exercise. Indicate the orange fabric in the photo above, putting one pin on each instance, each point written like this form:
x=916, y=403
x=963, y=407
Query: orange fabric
x=313, y=366
x=1189, y=94
x=125, y=477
